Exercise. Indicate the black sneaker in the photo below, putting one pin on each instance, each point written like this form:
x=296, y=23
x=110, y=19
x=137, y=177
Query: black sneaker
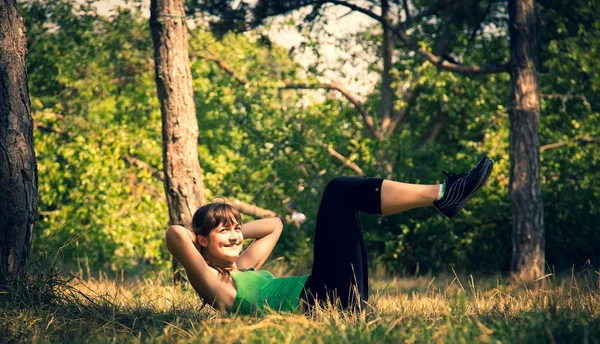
x=461, y=187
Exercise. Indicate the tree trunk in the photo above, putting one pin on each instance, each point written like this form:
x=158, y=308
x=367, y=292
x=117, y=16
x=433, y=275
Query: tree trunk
x=184, y=187
x=527, y=206
x=18, y=169
x=386, y=107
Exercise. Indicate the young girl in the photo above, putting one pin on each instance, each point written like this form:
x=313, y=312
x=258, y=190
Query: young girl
x=232, y=282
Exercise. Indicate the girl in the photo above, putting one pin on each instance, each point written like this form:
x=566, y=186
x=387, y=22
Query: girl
x=231, y=282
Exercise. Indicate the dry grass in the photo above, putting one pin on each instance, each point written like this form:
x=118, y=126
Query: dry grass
x=48, y=307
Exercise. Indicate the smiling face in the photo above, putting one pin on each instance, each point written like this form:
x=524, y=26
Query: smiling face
x=218, y=230
x=223, y=243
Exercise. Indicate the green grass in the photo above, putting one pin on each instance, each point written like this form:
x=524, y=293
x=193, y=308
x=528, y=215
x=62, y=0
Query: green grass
x=45, y=306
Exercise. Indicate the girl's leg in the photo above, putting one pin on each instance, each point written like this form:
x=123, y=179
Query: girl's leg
x=340, y=269
x=340, y=258
x=459, y=188
x=397, y=197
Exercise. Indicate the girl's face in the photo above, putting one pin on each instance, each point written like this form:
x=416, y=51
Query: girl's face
x=223, y=243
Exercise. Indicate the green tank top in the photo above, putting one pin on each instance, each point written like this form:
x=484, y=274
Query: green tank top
x=259, y=290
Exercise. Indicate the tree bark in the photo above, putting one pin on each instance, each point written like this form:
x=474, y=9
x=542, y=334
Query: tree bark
x=386, y=107
x=527, y=205
x=251, y=209
x=18, y=169
x=184, y=186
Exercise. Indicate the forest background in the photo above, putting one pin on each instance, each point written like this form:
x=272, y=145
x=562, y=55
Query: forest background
x=98, y=138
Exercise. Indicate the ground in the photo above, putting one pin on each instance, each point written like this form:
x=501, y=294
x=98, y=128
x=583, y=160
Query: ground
x=47, y=307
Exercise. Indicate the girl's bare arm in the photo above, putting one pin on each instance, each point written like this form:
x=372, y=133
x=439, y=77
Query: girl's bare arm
x=181, y=244
x=266, y=233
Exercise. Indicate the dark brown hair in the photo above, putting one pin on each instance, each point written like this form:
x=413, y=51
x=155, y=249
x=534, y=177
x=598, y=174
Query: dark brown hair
x=213, y=215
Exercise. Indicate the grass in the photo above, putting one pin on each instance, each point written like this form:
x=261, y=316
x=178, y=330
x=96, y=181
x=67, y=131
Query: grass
x=46, y=306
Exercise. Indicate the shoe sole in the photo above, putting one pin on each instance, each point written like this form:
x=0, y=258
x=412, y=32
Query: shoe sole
x=488, y=165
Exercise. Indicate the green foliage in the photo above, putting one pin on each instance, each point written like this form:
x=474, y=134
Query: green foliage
x=94, y=102
x=475, y=124
x=570, y=128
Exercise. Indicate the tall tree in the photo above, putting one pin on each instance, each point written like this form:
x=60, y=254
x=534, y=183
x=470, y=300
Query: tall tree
x=527, y=205
x=184, y=186
x=18, y=169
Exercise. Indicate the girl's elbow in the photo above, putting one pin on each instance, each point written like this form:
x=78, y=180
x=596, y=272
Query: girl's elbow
x=175, y=233
x=278, y=224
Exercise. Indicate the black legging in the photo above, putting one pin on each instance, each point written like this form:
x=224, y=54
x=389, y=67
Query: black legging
x=340, y=269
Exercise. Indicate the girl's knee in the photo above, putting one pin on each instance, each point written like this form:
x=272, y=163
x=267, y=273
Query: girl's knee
x=336, y=186
x=336, y=183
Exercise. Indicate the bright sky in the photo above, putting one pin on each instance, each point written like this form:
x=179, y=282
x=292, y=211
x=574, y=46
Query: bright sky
x=338, y=23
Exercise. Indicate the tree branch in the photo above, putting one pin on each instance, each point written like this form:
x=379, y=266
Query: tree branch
x=250, y=209
x=47, y=129
x=567, y=12
x=354, y=167
x=436, y=60
x=434, y=130
x=37, y=125
x=433, y=9
x=133, y=161
x=367, y=118
x=411, y=95
x=400, y=115
x=582, y=140
x=408, y=17
x=568, y=96
x=224, y=66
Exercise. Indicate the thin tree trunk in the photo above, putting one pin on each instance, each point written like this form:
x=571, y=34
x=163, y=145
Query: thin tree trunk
x=386, y=106
x=527, y=206
x=18, y=169
x=184, y=187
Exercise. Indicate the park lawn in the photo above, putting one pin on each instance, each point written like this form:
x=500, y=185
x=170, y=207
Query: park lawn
x=45, y=307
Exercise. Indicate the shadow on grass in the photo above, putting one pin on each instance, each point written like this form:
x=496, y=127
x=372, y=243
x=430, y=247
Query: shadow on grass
x=45, y=305
x=40, y=302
